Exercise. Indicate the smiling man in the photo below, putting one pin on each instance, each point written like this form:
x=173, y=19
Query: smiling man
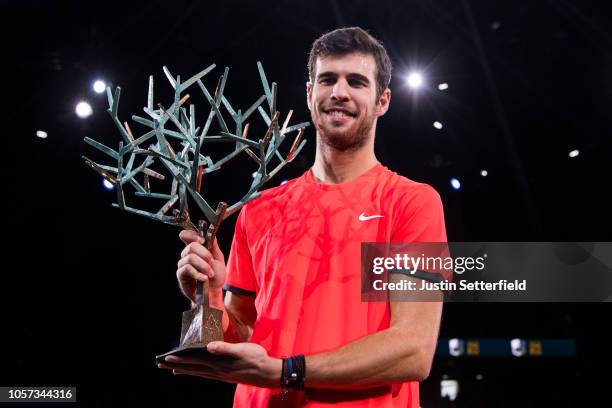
x=346, y=121
x=296, y=330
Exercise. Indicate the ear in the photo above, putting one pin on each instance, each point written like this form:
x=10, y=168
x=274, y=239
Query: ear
x=308, y=94
x=383, y=102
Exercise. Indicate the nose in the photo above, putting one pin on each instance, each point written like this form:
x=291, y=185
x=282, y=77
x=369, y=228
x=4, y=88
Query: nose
x=340, y=91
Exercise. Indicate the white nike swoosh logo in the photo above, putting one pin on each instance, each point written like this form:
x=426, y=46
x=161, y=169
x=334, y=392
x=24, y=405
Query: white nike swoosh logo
x=363, y=217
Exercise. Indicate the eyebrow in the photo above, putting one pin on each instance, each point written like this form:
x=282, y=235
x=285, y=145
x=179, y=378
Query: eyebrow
x=329, y=74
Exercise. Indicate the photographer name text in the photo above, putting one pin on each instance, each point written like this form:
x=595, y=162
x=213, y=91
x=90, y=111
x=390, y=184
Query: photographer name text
x=446, y=286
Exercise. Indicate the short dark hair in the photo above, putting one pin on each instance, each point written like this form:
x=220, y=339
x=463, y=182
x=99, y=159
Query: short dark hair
x=347, y=40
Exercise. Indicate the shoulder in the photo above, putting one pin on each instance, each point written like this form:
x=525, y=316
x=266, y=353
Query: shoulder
x=272, y=194
x=271, y=200
x=403, y=190
x=417, y=211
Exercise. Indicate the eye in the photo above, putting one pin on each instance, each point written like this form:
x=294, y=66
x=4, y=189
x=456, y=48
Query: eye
x=326, y=81
x=356, y=83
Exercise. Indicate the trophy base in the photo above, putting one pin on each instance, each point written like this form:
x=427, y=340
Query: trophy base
x=200, y=326
x=190, y=349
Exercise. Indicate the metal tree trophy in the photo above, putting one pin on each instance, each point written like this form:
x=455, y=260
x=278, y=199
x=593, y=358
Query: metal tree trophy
x=188, y=164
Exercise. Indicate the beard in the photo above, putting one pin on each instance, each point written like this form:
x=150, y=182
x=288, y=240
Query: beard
x=345, y=140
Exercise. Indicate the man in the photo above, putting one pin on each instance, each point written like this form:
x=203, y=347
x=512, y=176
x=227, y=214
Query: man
x=293, y=315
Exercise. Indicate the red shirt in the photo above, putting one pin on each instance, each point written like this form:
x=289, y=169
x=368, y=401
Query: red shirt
x=296, y=249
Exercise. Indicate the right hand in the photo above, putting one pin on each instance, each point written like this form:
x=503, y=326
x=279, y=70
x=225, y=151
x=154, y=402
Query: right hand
x=199, y=264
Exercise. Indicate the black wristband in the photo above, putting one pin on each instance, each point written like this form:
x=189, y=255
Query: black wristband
x=293, y=373
x=283, y=380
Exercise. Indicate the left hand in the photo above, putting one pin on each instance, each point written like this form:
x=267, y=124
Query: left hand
x=245, y=363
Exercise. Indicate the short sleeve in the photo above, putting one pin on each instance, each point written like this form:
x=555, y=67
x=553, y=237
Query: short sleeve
x=240, y=275
x=420, y=217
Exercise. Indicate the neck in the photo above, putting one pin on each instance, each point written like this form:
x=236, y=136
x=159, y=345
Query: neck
x=333, y=167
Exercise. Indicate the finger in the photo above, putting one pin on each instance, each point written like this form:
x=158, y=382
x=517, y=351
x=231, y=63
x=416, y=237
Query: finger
x=184, y=361
x=188, y=370
x=207, y=375
x=187, y=272
x=185, y=367
x=197, y=249
x=225, y=349
x=198, y=263
x=189, y=236
x=216, y=251
x=200, y=359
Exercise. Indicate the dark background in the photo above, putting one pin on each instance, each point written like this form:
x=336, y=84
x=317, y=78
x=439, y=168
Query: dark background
x=89, y=293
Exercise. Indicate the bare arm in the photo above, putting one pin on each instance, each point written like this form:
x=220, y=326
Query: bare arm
x=238, y=318
x=403, y=352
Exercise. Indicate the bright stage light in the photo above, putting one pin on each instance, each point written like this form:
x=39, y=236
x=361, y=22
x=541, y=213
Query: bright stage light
x=107, y=184
x=443, y=86
x=449, y=389
x=455, y=183
x=437, y=125
x=415, y=80
x=484, y=173
x=518, y=347
x=83, y=110
x=574, y=153
x=456, y=347
x=99, y=86
x=42, y=134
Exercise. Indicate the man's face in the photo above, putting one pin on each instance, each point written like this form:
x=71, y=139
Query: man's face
x=342, y=100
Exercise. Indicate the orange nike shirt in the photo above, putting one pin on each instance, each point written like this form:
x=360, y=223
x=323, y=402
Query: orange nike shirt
x=297, y=251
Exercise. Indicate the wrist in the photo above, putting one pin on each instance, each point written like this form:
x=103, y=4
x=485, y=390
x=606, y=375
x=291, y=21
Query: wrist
x=293, y=374
x=273, y=372
x=215, y=297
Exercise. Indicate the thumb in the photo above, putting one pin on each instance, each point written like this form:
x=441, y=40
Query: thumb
x=216, y=251
x=223, y=348
x=189, y=236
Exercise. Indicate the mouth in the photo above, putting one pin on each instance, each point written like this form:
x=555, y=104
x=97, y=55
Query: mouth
x=339, y=114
